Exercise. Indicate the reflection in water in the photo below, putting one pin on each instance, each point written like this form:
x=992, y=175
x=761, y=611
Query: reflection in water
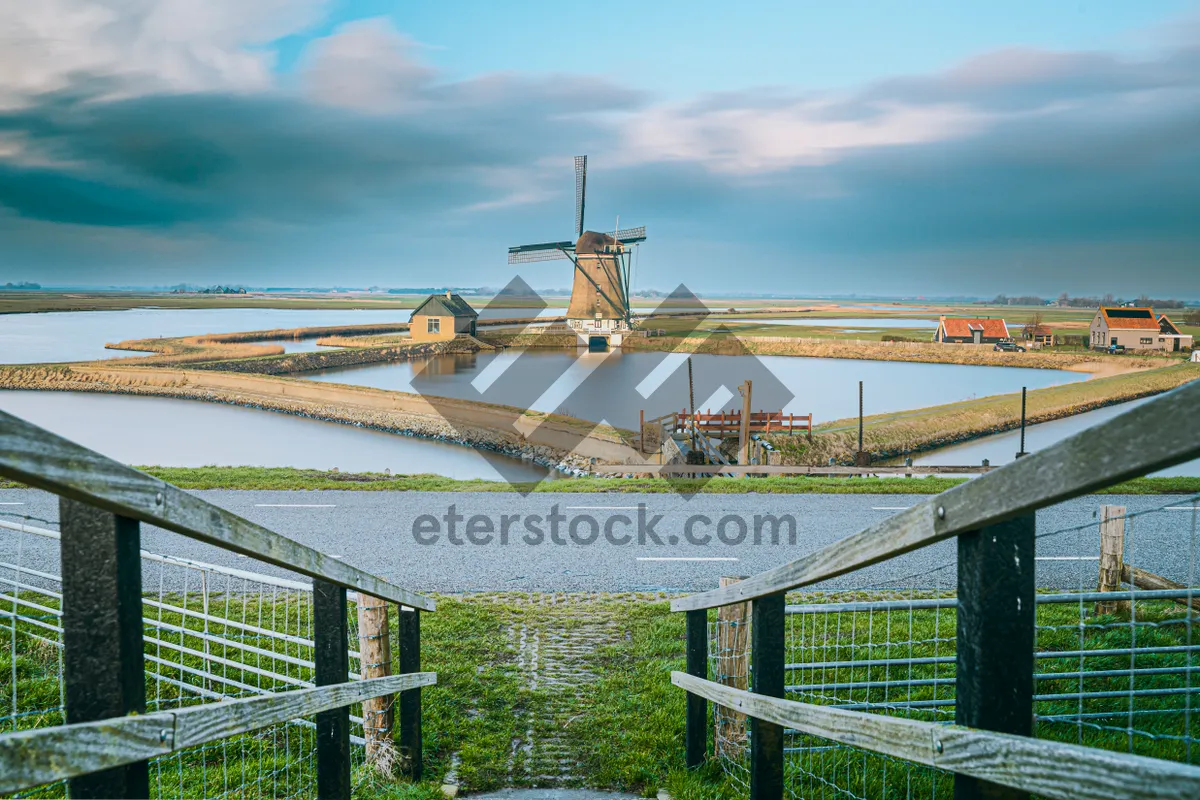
x=168, y=432
x=1001, y=448
x=615, y=386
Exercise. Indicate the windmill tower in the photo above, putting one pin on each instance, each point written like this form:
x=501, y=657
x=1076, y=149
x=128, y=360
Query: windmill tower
x=599, y=310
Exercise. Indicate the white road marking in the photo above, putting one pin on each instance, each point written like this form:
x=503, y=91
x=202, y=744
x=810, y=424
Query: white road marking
x=1066, y=558
x=1181, y=508
x=602, y=508
x=890, y=508
x=11, y=504
x=295, y=505
x=680, y=558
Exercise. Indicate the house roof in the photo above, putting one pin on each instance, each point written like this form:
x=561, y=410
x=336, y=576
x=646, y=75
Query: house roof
x=1040, y=330
x=1166, y=326
x=1130, y=319
x=965, y=328
x=445, y=305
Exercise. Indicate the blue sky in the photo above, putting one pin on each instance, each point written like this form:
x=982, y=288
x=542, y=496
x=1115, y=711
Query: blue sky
x=932, y=148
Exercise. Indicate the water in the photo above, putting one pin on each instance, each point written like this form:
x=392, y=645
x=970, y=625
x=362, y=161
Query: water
x=844, y=322
x=81, y=335
x=168, y=432
x=1001, y=448
x=615, y=386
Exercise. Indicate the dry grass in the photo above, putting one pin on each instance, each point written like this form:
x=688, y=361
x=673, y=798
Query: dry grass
x=901, y=433
x=925, y=352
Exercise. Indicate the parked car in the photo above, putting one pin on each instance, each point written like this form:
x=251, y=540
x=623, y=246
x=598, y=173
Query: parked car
x=1116, y=348
x=1009, y=347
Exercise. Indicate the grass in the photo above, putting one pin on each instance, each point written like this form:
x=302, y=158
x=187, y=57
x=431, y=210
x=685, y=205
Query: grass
x=620, y=725
x=294, y=479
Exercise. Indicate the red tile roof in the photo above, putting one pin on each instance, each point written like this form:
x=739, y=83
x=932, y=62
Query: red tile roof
x=965, y=328
x=1130, y=319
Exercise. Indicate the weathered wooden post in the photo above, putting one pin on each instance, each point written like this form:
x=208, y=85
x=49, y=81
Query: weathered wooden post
x=744, y=424
x=103, y=662
x=1112, y=557
x=410, y=701
x=375, y=661
x=733, y=669
x=697, y=706
x=767, y=664
x=1021, y=453
x=332, y=663
x=995, y=640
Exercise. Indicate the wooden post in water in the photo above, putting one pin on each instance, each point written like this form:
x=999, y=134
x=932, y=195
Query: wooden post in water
x=375, y=661
x=733, y=669
x=1112, y=557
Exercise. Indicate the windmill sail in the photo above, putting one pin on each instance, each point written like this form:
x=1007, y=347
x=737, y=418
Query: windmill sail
x=580, y=192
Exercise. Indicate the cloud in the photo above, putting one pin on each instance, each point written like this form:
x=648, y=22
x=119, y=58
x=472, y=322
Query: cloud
x=174, y=126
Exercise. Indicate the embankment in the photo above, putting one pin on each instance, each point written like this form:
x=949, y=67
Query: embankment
x=545, y=438
x=903, y=433
x=347, y=357
x=925, y=352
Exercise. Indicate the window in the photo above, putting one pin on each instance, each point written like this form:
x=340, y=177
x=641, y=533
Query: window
x=433, y=324
x=1147, y=340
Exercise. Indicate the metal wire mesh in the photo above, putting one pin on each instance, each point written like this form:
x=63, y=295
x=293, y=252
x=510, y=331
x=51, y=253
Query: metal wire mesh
x=211, y=633
x=1112, y=669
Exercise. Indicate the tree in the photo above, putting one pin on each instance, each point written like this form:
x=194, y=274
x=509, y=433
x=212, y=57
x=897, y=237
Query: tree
x=1032, y=324
x=1192, y=317
x=1064, y=299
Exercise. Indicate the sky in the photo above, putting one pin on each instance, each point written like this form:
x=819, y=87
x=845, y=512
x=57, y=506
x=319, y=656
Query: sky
x=885, y=148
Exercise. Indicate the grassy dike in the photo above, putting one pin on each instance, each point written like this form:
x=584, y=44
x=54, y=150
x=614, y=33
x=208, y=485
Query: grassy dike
x=293, y=479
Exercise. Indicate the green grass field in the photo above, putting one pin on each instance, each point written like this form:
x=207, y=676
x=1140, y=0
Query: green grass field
x=492, y=721
x=290, y=478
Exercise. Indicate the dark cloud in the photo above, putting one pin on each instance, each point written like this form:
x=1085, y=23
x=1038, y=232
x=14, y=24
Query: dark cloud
x=1085, y=156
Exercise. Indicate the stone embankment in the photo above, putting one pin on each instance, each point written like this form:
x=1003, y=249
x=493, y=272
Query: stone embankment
x=564, y=443
x=346, y=357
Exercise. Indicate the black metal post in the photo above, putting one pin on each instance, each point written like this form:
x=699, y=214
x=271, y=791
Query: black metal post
x=330, y=652
x=697, y=706
x=410, y=700
x=766, y=670
x=103, y=663
x=860, y=416
x=994, y=685
x=692, y=403
x=1022, y=450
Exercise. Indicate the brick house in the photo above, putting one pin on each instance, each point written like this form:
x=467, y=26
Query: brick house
x=971, y=331
x=1135, y=329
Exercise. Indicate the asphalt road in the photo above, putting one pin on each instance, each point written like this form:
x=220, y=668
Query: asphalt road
x=387, y=533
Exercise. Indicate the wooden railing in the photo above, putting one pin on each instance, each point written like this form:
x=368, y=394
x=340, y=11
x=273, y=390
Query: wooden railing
x=103, y=749
x=990, y=748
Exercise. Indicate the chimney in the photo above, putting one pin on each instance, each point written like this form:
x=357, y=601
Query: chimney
x=447, y=294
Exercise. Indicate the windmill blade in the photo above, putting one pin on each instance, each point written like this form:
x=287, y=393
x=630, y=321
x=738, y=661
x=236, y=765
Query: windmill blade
x=580, y=192
x=545, y=251
x=530, y=256
x=631, y=235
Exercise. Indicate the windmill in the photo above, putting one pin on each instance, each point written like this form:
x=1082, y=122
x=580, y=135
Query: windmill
x=600, y=292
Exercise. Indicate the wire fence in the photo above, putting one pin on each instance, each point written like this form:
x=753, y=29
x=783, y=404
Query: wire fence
x=1113, y=662
x=210, y=633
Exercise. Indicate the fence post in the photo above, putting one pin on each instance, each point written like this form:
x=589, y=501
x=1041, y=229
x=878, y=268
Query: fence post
x=375, y=661
x=733, y=669
x=994, y=687
x=697, y=706
x=410, y=700
x=332, y=665
x=103, y=664
x=767, y=661
x=1112, y=556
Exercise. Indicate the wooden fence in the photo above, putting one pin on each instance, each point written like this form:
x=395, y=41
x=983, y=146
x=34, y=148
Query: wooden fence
x=104, y=749
x=990, y=749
